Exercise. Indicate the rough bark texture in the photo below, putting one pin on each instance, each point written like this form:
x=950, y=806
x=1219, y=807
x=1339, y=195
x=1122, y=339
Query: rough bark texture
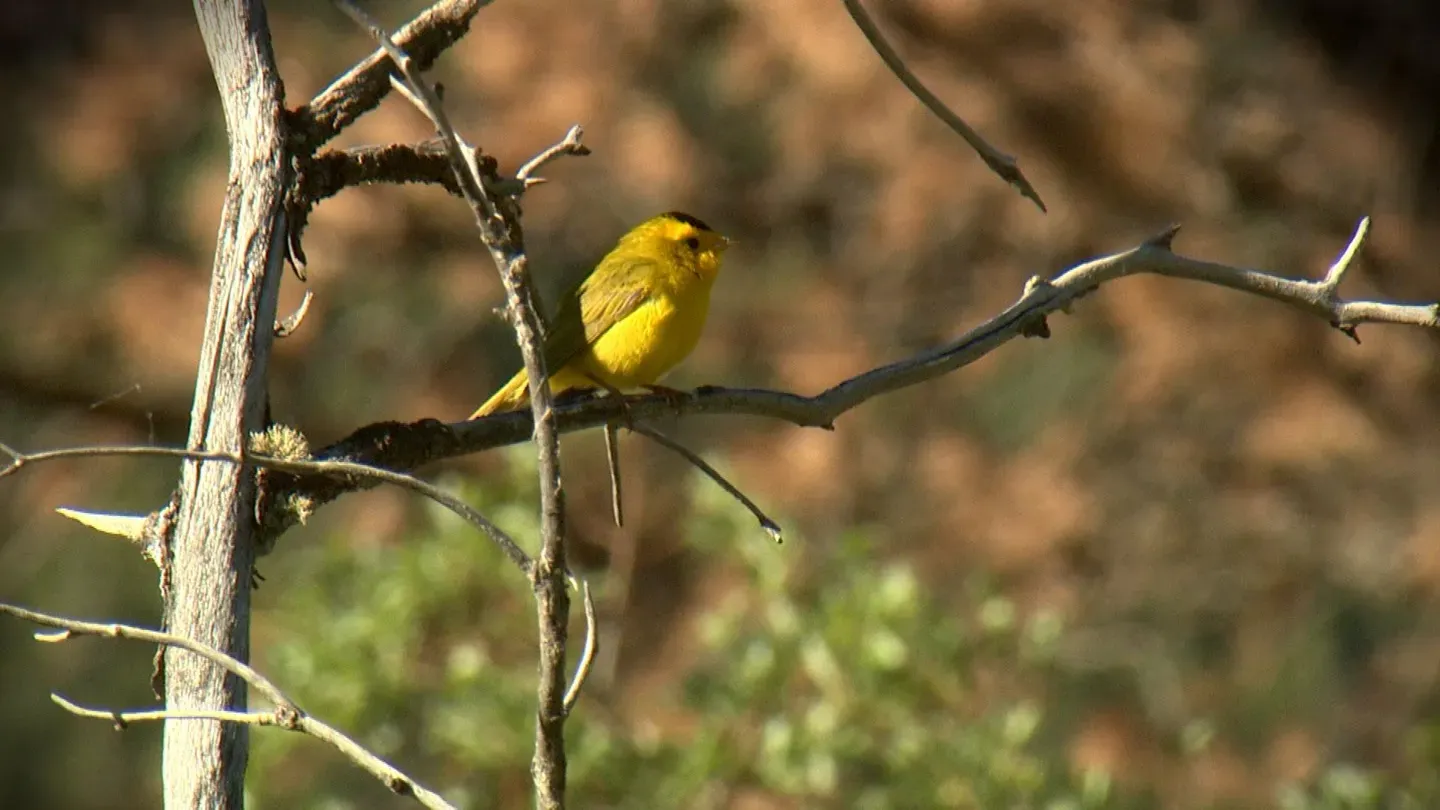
x=206, y=581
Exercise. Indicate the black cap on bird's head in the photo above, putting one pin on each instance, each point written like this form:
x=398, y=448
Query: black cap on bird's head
x=679, y=228
x=681, y=216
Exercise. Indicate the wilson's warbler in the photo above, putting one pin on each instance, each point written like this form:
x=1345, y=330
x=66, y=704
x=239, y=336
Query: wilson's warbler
x=637, y=314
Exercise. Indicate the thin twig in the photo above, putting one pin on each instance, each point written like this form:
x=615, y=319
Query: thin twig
x=287, y=327
x=466, y=512
x=352, y=95
x=402, y=87
x=999, y=162
x=318, y=177
x=74, y=627
x=132, y=388
x=771, y=527
x=1336, y=273
x=286, y=713
x=423, y=96
x=123, y=719
x=498, y=221
x=363, y=86
x=612, y=455
x=334, y=468
x=19, y=460
x=569, y=145
x=587, y=655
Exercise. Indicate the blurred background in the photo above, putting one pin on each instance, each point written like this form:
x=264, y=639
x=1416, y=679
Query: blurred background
x=1184, y=554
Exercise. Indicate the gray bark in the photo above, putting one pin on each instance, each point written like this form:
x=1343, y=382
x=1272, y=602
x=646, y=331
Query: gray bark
x=206, y=576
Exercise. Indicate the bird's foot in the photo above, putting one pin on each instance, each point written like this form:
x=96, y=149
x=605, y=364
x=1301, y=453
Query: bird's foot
x=627, y=415
x=611, y=392
x=674, y=397
x=572, y=396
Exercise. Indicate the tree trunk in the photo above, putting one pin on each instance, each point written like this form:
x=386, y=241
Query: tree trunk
x=206, y=578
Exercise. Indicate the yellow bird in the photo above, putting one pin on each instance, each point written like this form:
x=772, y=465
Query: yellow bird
x=638, y=313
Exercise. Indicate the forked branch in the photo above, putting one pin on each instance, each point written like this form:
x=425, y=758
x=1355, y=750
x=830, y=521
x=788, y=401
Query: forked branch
x=363, y=87
x=495, y=207
x=284, y=714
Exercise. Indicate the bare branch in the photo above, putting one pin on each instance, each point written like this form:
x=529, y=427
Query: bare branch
x=76, y=627
x=352, y=95
x=497, y=218
x=465, y=511
x=133, y=388
x=1336, y=273
x=424, y=162
x=324, y=175
x=206, y=555
x=363, y=86
x=286, y=713
x=287, y=327
x=771, y=527
x=18, y=460
x=612, y=455
x=344, y=472
x=999, y=162
x=422, y=95
x=405, y=446
x=123, y=719
x=569, y=145
x=587, y=655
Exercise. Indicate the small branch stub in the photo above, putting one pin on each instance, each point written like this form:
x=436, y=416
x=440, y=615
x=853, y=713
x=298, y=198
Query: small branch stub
x=130, y=527
x=1337, y=271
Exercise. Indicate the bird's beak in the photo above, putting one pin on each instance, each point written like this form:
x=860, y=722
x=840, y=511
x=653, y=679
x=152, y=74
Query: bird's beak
x=726, y=241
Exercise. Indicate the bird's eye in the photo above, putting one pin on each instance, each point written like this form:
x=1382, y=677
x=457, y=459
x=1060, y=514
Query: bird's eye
x=692, y=243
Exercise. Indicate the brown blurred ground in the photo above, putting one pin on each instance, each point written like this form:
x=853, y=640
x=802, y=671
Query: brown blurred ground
x=1228, y=499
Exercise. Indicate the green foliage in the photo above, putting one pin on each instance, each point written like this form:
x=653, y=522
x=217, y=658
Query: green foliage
x=829, y=678
x=1348, y=787
x=862, y=687
x=414, y=648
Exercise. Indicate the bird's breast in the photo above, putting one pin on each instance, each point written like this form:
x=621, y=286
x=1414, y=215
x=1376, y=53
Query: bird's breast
x=653, y=339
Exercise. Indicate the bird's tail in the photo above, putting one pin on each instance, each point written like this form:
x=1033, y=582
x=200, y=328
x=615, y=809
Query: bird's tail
x=511, y=395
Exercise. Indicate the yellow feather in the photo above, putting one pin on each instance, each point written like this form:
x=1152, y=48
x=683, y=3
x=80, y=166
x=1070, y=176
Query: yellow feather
x=634, y=318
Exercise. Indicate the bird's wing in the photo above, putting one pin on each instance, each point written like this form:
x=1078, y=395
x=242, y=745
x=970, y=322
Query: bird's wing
x=616, y=288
